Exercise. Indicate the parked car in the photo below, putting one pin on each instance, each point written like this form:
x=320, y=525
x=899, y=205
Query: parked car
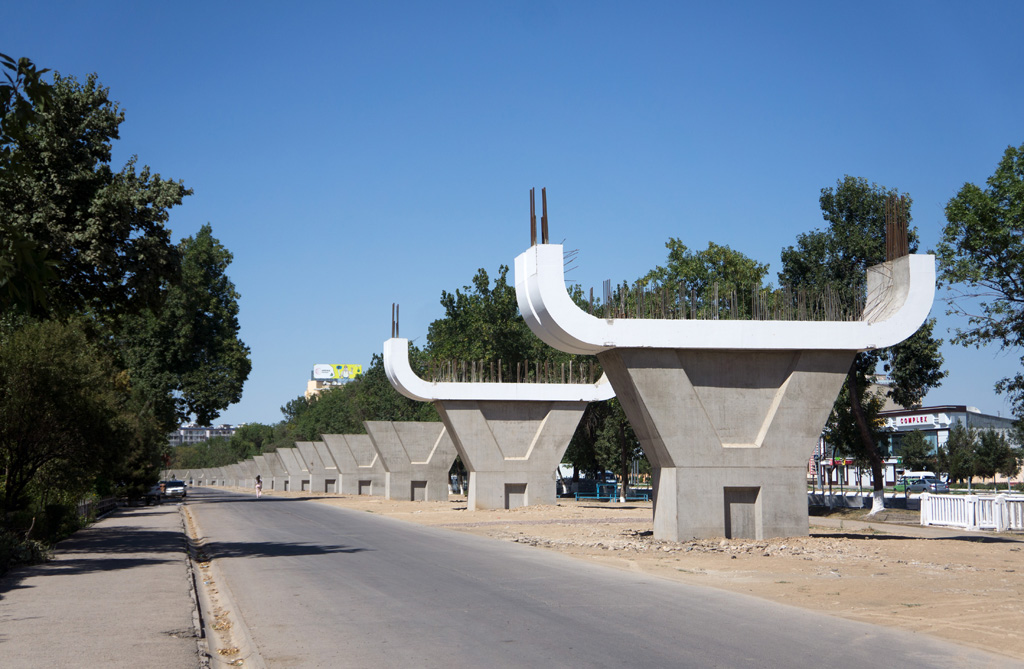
x=174, y=488
x=935, y=484
x=925, y=484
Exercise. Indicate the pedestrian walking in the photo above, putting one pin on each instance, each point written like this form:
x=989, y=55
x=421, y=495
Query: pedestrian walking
x=259, y=486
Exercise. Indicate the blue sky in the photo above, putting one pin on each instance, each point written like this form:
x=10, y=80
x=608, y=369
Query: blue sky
x=352, y=155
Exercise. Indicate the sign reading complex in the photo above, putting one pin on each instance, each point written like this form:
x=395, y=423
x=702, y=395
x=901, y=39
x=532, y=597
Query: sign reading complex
x=336, y=372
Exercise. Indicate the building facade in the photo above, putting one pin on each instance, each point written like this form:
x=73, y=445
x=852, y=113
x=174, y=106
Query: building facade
x=194, y=434
x=933, y=422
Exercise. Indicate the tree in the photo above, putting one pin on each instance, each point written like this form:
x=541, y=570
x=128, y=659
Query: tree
x=23, y=96
x=957, y=456
x=995, y=455
x=838, y=258
x=24, y=268
x=482, y=322
x=915, y=452
x=980, y=259
x=60, y=401
x=249, y=439
x=187, y=351
x=104, y=230
x=718, y=270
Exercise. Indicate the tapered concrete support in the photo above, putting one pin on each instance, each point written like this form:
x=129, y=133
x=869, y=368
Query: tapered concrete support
x=511, y=436
x=235, y=475
x=332, y=476
x=279, y=474
x=728, y=434
x=264, y=470
x=360, y=469
x=727, y=411
x=369, y=468
x=417, y=457
x=314, y=465
x=298, y=476
x=511, y=449
x=248, y=474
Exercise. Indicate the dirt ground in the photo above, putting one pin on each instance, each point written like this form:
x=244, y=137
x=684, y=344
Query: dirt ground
x=959, y=586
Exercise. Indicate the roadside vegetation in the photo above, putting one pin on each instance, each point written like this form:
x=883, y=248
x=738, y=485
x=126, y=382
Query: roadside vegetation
x=111, y=334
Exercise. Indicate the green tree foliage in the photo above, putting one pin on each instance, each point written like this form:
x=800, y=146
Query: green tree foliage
x=61, y=399
x=250, y=439
x=982, y=255
x=731, y=269
x=702, y=273
x=103, y=229
x=838, y=258
x=957, y=457
x=994, y=454
x=24, y=268
x=215, y=452
x=109, y=330
x=915, y=452
x=482, y=322
x=187, y=351
x=616, y=445
x=24, y=94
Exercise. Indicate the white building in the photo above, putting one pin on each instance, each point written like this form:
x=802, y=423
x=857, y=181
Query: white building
x=933, y=422
x=194, y=434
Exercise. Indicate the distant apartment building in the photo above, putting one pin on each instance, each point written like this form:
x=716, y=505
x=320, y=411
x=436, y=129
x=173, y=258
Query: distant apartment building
x=194, y=434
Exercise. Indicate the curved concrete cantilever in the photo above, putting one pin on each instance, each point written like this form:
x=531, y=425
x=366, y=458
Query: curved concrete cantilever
x=405, y=381
x=900, y=295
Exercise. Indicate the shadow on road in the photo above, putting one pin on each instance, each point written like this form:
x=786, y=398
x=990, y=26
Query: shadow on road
x=261, y=549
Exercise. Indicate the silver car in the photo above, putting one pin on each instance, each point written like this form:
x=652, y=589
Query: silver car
x=174, y=488
x=927, y=484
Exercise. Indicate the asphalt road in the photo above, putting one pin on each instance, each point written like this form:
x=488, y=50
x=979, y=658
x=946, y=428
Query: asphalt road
x=319, y=586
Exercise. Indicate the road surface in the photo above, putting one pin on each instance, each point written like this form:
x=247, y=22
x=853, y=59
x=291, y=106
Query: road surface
x=319, y=586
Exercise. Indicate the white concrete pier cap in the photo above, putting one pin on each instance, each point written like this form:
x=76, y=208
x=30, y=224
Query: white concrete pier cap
x=900, y=295
x=401, y=376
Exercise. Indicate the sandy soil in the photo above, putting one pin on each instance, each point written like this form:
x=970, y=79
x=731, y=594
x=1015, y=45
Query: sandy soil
x=960, y=586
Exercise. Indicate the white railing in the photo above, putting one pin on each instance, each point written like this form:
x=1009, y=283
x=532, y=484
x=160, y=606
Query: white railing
x=974, y=512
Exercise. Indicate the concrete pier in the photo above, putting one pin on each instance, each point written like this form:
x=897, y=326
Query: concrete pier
x=360, y=470
x=727, y=411
x=249, y=472
x=417, y=457
x=298, y=475
x=264, y=470
x=510, y=436
x=314, y=465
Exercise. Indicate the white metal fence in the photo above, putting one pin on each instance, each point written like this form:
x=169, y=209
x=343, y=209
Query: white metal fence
x=974, y=512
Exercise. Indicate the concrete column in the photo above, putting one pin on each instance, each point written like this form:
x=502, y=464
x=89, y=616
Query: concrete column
x=264, y=470
x=511, y=436
x=728, y=434
x=298, y=477
x=313, y=465
x=332, y=475
x=360, y=469
x=510, y=448
x=369, y=468
x=251, y=470
x=416, y=457
x=280, y=473
x=727, y=411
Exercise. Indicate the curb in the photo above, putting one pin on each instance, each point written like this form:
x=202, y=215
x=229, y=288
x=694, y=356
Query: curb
x=225, y=634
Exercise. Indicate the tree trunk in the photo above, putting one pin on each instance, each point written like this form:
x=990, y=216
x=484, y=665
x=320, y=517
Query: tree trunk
x=625, y=464
x=868, y=441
